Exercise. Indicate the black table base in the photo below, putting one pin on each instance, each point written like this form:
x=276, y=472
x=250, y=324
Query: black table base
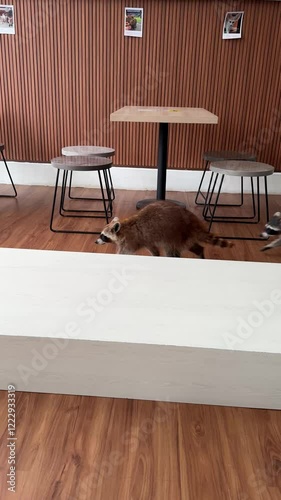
x=162, y=169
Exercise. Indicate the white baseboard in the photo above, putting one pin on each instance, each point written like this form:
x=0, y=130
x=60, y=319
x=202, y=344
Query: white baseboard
x=42, y=174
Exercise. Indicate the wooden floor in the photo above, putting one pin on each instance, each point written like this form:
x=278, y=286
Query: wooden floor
x=86, y=448
x=24, y=223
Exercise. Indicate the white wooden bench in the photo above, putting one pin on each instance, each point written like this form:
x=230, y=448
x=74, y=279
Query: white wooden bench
x=151, y=328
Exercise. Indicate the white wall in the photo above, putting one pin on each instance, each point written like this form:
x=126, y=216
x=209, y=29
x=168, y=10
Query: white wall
x=127, y=178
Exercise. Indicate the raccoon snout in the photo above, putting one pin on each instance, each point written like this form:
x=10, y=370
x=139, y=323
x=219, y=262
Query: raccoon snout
x=102, y=239
x=99, y=242
x=265, y=235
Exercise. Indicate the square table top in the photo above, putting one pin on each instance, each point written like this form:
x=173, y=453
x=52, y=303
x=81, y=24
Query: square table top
x=156, y=114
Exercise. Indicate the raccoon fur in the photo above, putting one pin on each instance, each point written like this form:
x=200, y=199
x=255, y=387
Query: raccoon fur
x=273, y=228
x=160, y=226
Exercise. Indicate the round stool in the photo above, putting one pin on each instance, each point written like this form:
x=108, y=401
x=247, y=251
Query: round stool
x=87, y=151
x=214, y=156
x=2, y=147
x=241, y=169
x=65, y=165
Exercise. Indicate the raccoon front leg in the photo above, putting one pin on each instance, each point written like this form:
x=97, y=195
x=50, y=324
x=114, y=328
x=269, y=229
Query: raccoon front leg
x=124, y=251
x=273, y=244
x=198, y=250
x=153, y=250
x=172, y=252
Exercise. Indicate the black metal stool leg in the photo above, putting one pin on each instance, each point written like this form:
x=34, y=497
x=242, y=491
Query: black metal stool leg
x=258, y=195
x=10, y=177
x=210, y=204
x=62, y=198
x=71, y=212
x=63, y=191
x=242, y=192
x=253, y=198
x=70, y=185
x=216, y=201
x=111, y=185
x=103, y=199
x=207, y=197
x=266, y=199
x=54, y=201
x=199, y=188
x=234, y=219
x=240, y=204
x=108, y=192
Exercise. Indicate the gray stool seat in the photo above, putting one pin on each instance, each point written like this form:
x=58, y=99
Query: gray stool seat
x=242, y=168
x=87, y=150
x=70, y=164
x=81, y=163
x=228, y=155
x=2, y=147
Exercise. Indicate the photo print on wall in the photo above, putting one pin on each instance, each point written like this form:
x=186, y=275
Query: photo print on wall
x=232, y=27
x=133, y=22
x=7, y=24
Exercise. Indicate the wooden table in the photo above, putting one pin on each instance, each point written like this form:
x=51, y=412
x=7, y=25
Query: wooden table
x=163, y=116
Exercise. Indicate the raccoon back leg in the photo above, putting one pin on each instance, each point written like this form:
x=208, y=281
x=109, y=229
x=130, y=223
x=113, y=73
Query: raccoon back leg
x=198, y=250
x=153, y=250
x=273, y=244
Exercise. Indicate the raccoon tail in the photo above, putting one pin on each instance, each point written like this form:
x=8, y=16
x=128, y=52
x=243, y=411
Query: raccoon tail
x=212, y=239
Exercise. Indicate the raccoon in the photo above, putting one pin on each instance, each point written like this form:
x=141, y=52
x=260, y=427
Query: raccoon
x=272, y=228
x=160, y=225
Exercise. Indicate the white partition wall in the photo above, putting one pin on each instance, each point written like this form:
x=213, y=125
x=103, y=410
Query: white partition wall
x=164, y=329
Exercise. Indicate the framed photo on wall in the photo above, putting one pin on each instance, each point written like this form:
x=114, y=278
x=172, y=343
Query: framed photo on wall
x=133, y=21
x=232, y=27
x=7, y=23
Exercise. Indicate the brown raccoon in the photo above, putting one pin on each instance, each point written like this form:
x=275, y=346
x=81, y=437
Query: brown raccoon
x=161, y=225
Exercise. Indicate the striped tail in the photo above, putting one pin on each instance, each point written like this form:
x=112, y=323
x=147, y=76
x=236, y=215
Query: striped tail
x=212, y=239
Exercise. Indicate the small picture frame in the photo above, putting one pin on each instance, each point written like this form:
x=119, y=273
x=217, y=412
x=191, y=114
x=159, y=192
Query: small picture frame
x=133, y=22
x=232, y=27
x=7, y=21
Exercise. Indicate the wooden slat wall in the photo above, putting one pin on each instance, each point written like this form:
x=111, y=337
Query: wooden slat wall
x=69, y=66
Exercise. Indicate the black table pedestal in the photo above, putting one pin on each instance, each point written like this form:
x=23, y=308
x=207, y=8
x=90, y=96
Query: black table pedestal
x=162, y=168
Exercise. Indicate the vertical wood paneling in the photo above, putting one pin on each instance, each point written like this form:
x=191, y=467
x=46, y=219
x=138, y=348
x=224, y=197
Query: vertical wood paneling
x=69, y=66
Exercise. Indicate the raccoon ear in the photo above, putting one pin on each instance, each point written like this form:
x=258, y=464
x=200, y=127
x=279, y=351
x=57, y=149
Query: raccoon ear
x=117, y=227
